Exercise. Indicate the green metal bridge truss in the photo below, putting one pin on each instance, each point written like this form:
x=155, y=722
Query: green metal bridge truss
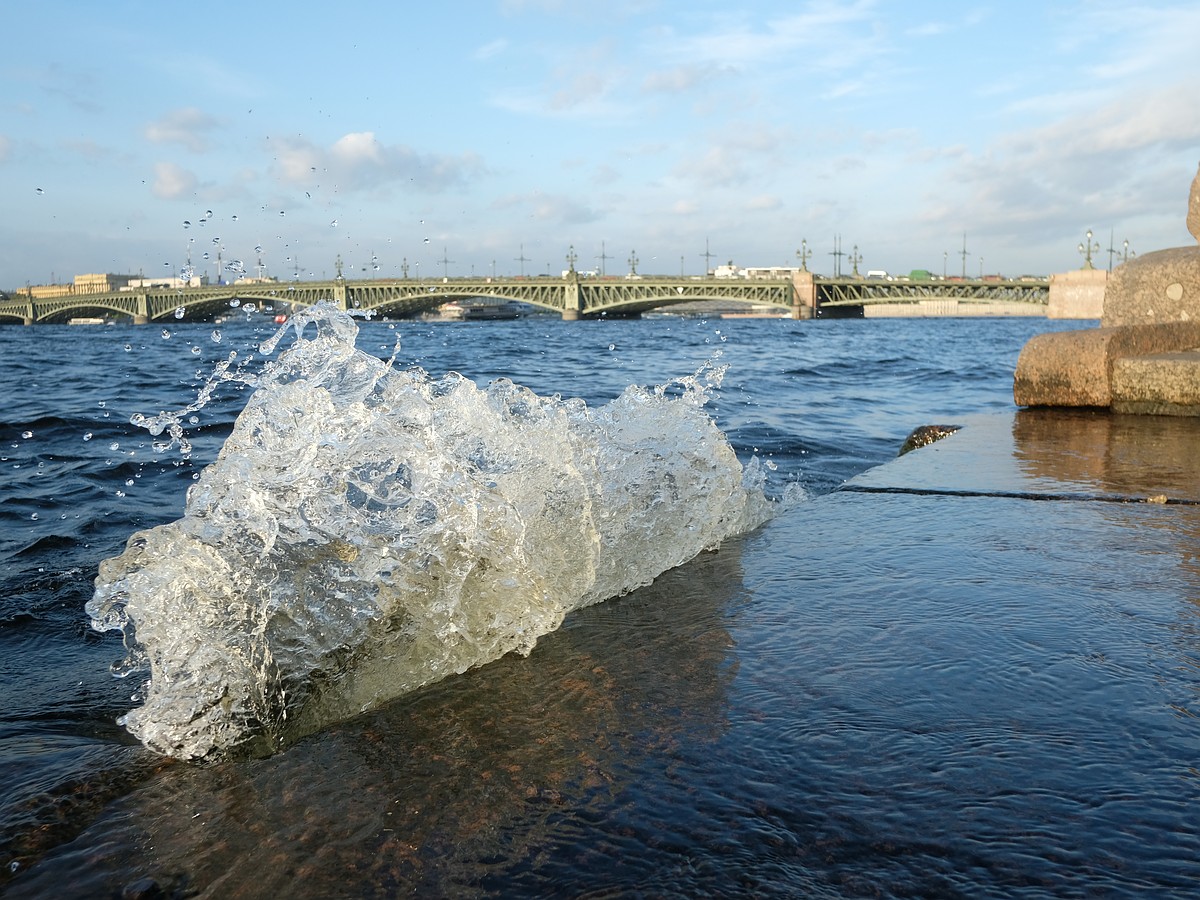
x=840, y=292
x=572, y=297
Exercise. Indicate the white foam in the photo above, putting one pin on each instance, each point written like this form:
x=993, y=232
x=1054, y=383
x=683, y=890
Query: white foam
x=366, y=530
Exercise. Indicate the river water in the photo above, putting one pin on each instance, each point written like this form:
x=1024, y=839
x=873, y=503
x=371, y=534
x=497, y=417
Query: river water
x=716, y=733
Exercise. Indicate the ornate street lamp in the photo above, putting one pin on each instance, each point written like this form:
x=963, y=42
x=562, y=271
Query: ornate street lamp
x=1086, y=249
x=804, y=255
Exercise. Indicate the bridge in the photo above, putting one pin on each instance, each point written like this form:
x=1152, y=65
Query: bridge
x=801, y=296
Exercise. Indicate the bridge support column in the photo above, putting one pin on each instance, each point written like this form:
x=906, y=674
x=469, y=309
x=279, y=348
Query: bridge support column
x=141, y=314
x=339, y=292
x=572, y=308
x=804, y=295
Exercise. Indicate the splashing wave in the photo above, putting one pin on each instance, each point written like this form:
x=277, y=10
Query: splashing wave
x=366, y=530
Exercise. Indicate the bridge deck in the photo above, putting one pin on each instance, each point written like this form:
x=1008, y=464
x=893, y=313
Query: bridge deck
x=572, y=297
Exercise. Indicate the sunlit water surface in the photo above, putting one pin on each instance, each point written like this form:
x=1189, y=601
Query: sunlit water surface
x=840, y=703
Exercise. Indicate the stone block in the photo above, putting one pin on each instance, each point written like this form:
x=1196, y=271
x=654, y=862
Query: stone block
x=1158, y=384
x=1163, y=286
x=1074, y=368
x=1064, y=368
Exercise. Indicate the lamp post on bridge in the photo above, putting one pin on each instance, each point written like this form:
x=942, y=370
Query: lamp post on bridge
x=1087, y=248
x=522, y=259
x=855, y=259
x=633, y=261
x=1126, y=254
x=804, y=254
x=571, y=257
x=404, y=268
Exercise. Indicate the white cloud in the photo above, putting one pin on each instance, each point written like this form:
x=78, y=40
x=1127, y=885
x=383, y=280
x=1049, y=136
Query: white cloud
x=491, y=49
x=764, y=203
x=188, y=126
x=172, y=181
x=360, y=161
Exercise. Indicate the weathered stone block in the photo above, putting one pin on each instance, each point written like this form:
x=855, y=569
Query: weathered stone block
x=1064, y=368
x=1163, y=286
x=1074, y=368
x=1160, y=384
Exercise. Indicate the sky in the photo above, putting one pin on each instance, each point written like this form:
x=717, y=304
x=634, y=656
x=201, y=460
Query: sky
x=474, y=138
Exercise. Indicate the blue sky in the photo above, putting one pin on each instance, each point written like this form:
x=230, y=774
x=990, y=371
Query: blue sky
x=480, y=132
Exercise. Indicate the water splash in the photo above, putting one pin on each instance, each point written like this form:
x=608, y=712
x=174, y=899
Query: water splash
x=367, y=530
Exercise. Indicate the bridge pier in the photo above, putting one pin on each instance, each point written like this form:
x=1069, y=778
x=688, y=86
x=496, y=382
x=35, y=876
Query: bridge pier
x=804, y=295
x=572, y=308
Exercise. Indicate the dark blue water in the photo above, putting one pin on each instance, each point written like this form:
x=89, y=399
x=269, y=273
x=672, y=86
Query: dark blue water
x=760, y=721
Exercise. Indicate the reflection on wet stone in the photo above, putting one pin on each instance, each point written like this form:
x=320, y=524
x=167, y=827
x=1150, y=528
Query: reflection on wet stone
x=486, y=766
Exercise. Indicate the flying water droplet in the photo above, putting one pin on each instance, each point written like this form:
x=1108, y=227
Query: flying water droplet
x=281, y=212
x=333, y=224
x=234, y=218
x=87, y=435
x=427, y=240
x=235, y=302
x=216, y=336
x=187, y=224
x=208, y=214
x=216, y=240
x=128, y=348
x=27, y=434
x=195, y=351
x=206, y=255
x=180, y=311
x=166, y=334
x=40, y=191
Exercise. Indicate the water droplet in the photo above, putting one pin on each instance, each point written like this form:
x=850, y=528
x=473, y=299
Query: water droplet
x=333, y=224
x=187, y=224
x=234, y=218
x=612, y=346
x=87, y=435
x=115, y=445
x=101, y=403
x=258, y=248
x=248, y=307
x=193, y=420
x=427, y=240
x=281, y=212
x=235, y=302
x=34, y=516
x=166, y=334
x=216, y=335
x=40, y=191
x=206, y=254
x=216, y=240
x=120, y=493
x=179, y=312
x=128, y=482
x=208, y=214
x=128, y=348
x=27, y=434
x=195, y=350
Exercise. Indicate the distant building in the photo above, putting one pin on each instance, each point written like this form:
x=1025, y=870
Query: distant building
x=100, y=284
